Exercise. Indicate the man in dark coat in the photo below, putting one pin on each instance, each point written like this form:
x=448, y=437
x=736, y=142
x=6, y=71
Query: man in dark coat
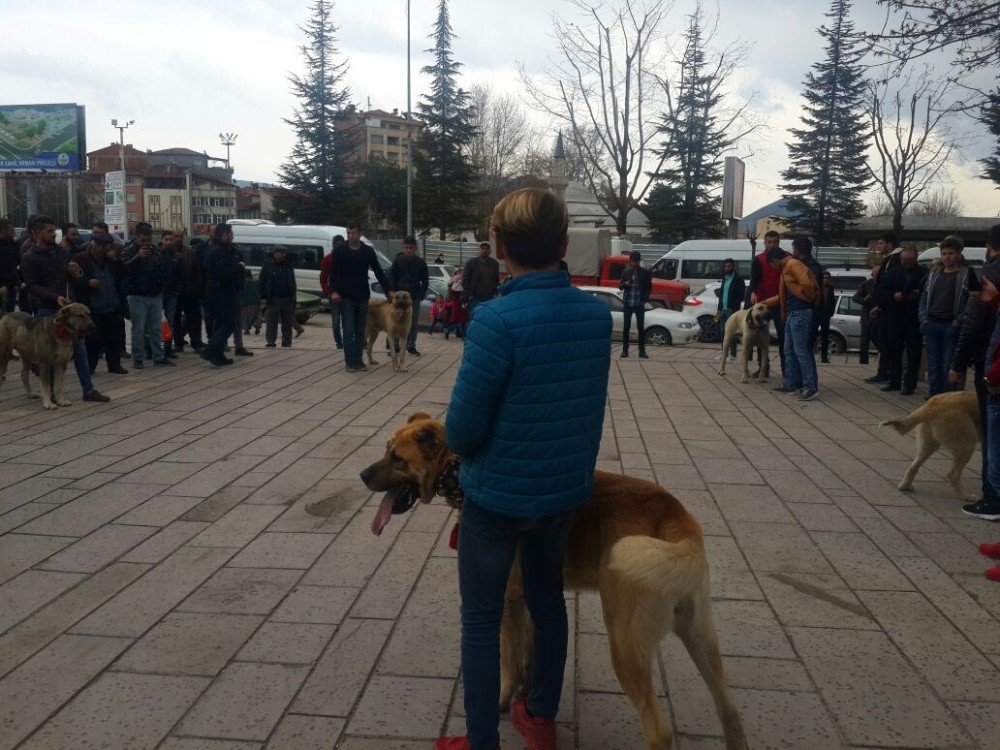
x=888, y=259
x=636, y=285
x=899, y=301
x=408, y=273
x=480, y=278
x=277, y=291
x=100, y=287
x=223, y=272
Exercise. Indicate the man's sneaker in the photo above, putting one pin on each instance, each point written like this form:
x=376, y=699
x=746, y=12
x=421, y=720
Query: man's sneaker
x=990, y=549
x=163, y=362
x=95, y=395
x=877, y=379
x=987, y=509
x=117, y=370
x=538, y=733
x=643, y=355
x=890, y=387
x=243, y=352
x=784, y=389
x=227, y=360
x=351, y=368
x=270, y=346
x=808, y=395
x=413, y=350
x=907, y=391
x=138, y=364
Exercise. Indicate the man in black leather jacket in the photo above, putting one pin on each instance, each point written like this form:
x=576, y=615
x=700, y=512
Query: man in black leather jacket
x=973, y=341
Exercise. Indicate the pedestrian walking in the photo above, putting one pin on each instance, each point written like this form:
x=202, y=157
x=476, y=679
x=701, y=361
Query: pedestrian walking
x=100, y=287
x=277, y=290
x=798, y=295
x=324, y=281
x=512, y=384
x=942, y=304
x=899, y=303
x=190, y=290
x=251, y=300
x=144, y=287
x=349, y=267
x=223, y=272
x=888, y=259
x=636, y=285
x=865, y=297
x=765, y=282
x=171, y=265
x=408, y=273
x=480, y=278
x=239, y=349
x=731, y=292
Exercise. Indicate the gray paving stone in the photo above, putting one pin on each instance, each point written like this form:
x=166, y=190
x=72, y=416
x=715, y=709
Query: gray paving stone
x=21, y=515
x=186, y=643
x=981, y=720
x=876, y=697
x=815, y=601
x=159, y=511
x=21, y=551
x=282, y=550
x=163, y=542
x=767, y=674
x=610, y=722
x=200, y=743
x=34, y=488
x=237, y=527
x=338, y=678
x=402, y=707
x=392, y=583
x=750, y=503
x=306, y=733
x=860, y=562
x=135, y=609
x=89, y=512
x=316, y=604
x=217, y=505
x=120, y=710
x=29, y=591
x=99, y=548
x=30, y=693
x=950, y=550
x=326, y=508
x=287, y=643
x=245, y=702
x=749, y=628
x=245, y=591
x=354, y=543
x=210, y=480
x=822, y=517
x=728, y=571
x=777, y=720
x=783, y=548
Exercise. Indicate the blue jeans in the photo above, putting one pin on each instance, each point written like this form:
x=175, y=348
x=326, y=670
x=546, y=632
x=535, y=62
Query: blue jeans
x=354, y=314
x=487, y=543
x=80, y=362
x=338, y=327
x=992, y=447
x=941, y=338
x=147, y=315
x=800, y=364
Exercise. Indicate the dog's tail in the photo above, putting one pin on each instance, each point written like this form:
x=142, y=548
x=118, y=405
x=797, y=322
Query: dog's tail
x=903, y=425
x=667, y=570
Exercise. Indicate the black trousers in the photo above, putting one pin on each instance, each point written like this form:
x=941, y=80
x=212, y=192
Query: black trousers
x=866, y=337
x=279, y=309
x=109, y=332
x=640, y=325
x=902, y=333
x=223, y=313
x=10, y=299
x=187, y=320
x=880, y=332
x=824, y=337
x=779, y=329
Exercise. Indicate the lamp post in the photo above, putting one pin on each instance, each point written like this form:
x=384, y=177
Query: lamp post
x=121, y=139
x=409, y=134
x=228, y=139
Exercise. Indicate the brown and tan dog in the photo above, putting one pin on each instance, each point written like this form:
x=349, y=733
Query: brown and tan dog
x=632, y=541
x=753, y=326
x=45, y=342
x=950, y=421
x=393, y=317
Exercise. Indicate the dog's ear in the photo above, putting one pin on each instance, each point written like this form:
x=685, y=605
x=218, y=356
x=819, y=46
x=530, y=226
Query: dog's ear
x=429, y=441
x=418, y=417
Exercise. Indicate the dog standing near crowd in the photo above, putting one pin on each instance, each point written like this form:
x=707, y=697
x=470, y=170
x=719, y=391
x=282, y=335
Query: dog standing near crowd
x=753, y=325
x=392, y=317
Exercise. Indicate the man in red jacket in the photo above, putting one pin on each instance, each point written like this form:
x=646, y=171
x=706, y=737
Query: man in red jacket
x=765, y=281
x=324, y=282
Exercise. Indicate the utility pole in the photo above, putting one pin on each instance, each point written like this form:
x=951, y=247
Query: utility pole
x=121, y=139
x=409, y=135
x=228, y=139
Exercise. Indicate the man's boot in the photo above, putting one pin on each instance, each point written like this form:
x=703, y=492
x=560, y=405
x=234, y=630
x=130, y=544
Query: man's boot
x=642, y=353
x=624, y=354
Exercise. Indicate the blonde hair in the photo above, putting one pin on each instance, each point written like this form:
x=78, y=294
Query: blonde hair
x=532, y=224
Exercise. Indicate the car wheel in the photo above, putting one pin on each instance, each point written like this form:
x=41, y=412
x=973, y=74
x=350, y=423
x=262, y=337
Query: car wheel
x=837, y=344
x=657, y=336
x=711, y=331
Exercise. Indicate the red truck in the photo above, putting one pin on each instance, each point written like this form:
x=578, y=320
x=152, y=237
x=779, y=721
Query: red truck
x=591, y=263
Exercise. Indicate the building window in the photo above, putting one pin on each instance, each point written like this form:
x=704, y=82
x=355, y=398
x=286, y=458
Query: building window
x=392, y=140
x=376, y=155
x=154, y=211
x=393, y=156
x=392, y=126
x=176, y=211
x=133, y=216
x=130, y=198
x=377, y=139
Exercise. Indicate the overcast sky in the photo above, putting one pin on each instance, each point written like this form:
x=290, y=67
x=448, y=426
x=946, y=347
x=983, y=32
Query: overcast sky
x=186, y=71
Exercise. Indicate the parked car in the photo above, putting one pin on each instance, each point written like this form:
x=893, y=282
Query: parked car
x=436, y=287
x=664, y=327
x=437, y=271
x=306, y=306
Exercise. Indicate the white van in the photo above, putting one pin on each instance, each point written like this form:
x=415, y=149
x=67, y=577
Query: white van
x=699, y=262
x=307, y=245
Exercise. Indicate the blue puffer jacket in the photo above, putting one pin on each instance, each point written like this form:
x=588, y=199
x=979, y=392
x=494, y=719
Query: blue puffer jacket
x=528, y=405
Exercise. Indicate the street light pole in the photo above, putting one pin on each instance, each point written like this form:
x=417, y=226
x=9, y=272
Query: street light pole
x=409, y=133
x=121, y=139
x=228, y=139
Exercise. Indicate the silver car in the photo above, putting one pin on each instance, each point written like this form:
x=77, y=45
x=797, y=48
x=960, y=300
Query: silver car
x=845, y=325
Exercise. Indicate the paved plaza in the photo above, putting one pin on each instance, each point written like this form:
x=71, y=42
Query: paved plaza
x=191, y=567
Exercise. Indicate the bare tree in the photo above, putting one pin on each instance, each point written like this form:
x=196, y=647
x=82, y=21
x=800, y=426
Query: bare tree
x=501, y=132
x=942, y=202
x=600, y=83
x=879, y=205
x=912, y=140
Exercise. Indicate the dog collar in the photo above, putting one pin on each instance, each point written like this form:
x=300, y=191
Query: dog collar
x=448, y=486
x=62, y=332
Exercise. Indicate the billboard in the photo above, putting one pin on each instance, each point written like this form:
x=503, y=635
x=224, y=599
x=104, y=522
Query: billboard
x=732, y=189
x=36, y=137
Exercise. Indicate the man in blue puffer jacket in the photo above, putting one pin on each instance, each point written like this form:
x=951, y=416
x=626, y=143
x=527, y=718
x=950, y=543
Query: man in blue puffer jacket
x=526, y=417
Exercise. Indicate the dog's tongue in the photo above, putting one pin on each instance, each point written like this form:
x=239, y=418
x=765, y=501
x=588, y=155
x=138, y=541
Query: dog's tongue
x=384, y=513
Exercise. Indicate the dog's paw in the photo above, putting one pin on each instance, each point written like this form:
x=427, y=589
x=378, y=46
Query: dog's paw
x=744, y=379
x=34, y=395
x=722, y=373
x=50, y=406
x=904, y=487
x=64, y=403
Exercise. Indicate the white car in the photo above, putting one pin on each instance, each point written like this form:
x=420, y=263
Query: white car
x=663, y=326
x=438, y=271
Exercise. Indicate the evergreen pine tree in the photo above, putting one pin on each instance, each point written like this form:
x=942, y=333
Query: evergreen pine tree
x=990, y=117
x=327, y=131
x=826, y=179
x=444, y=175
x=685, y=202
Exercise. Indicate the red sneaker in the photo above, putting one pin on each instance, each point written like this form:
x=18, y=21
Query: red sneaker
x=538, y=733
x=452, y=743
x=990, y=549
x=993, y=573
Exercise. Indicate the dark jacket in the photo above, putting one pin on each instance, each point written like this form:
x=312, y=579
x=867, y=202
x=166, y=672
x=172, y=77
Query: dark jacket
x=737, y=291
x=865, y=296
x=886, y=265
x=9, y=261
x=828, y=301
x=481, y=279
x=907, y=281
x=44, y=273
x=410, y=275
x=640, y=276
x=80, y=289
x=171, y=270
x=974, y=337
x=190, y=279
x=967, y=282
x=143, y=277
x=277, y=280
x=223, y=273
x=349, y=272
